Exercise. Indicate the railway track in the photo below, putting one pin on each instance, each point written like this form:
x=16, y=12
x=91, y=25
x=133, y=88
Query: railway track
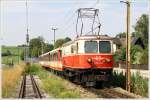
x=29, y=88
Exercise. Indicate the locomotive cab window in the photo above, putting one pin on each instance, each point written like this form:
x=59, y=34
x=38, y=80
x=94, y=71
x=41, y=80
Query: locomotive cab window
x=91, y=47
x=104, y=47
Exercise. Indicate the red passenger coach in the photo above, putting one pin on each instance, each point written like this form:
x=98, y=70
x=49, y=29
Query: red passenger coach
x=87, y=59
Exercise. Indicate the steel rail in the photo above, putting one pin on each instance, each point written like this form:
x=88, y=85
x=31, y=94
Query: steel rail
x=35, y=88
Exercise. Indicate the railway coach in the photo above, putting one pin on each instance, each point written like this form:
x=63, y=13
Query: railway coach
x=86, y=60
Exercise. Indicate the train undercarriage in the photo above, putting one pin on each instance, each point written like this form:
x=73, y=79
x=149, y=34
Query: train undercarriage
x=85, y=77
x=88, y=77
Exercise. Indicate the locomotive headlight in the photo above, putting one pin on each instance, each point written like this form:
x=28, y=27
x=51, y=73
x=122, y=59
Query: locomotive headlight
x=89, y=60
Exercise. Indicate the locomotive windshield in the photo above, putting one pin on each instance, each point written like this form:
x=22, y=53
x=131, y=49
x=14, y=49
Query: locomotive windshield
x=91, y=47
x=104, y=47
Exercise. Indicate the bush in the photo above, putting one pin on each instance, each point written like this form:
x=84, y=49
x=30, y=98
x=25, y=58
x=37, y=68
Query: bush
x=33, y=69
x=139, y=85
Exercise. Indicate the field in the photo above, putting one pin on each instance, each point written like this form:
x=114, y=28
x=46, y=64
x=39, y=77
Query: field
x=15, y=57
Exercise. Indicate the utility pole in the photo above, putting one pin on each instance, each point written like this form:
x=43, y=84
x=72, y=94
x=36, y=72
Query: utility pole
x=54, y=29
x=27, y=34
x=128, y=73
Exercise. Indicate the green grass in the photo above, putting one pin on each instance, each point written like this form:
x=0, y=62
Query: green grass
x=15, y=58
x=53, y=84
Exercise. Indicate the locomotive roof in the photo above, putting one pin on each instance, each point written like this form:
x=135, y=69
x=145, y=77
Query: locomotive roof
x=44, y=54
x=49, y=52
x=100, y=37
x=88, y=37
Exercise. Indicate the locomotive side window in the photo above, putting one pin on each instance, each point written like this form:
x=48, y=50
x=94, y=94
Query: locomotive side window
x=91, y=47
x=104, y=47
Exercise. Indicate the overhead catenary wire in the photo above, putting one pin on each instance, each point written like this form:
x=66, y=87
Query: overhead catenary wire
x=67, y=16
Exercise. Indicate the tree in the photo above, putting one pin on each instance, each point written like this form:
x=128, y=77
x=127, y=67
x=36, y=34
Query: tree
x=60, y=42
x=141, y=28
x=35, y=46
x=144, y=57
x=67, y=39
x=134, y=50
x=48, y=47
x=123, y=54
x=121, y=35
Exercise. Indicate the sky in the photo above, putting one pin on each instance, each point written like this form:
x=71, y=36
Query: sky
x=61, y=14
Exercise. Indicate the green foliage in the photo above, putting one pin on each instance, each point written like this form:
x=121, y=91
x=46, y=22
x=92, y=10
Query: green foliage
x=134, y=50
x=121, y=35
x=144, y=57
x=139, y=85
x=48, y=47
x=119, y=80
x=116, y=57
x=11, y=54
x=123, y=54
x=37, y=45
x=32, y=69
x=60, y=42
x=67, y=39
x=141, y=28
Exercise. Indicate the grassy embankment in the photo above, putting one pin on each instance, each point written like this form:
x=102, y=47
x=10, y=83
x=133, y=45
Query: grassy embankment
x=139, y=85
x=15, y=57
x=10, y=79
x=54, y=85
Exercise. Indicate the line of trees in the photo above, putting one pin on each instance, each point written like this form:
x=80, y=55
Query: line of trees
x=37, y=46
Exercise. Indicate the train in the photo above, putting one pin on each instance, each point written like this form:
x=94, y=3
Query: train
x=87, y=60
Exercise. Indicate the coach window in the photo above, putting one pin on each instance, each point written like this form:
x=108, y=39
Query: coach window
x=53, y=57
x=91, y=47
x=56, y=56
x=60, y=54
x=77, y=47
x=50, y=57
x=72, y=49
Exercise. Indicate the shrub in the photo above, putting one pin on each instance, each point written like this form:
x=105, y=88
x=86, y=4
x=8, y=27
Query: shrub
x=33, y=69
x=139, y=85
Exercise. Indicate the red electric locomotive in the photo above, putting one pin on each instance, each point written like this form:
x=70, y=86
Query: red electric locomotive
x=87, y=59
